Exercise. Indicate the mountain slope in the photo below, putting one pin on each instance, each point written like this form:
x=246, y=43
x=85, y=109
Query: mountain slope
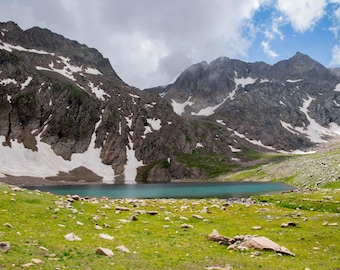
x=290, y=105
x=65, y=112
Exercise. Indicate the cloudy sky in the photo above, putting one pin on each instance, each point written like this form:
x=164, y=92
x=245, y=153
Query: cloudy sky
x=150, y=42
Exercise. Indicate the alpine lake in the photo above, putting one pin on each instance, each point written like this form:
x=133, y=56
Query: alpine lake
x=169, y=190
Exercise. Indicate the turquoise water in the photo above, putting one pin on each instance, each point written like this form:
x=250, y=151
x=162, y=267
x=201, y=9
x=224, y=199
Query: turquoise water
x=169, y=190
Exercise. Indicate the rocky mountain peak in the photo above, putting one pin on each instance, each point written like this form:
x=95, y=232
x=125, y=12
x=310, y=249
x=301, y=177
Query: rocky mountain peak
x=285, y=106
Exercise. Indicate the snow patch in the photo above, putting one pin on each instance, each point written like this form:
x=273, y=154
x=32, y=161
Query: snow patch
x=209, y=110
x=92, y=71
x=314, y=131
x=264, y=80
x=179, y=108
x=26, y=83
x=221, y=122
x=132, y=163
x=259, y=143
x=199, y=145
x=289, y=127
x=20, y=161
x=234, y=150
x=9, y=98
x=100, y=93
x=8, y=47
x=155, y=124
x=337, y=88
x=294, y=81
x=5, y=82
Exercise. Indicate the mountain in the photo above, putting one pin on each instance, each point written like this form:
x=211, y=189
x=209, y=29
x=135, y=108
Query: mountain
x=287, y=106
x=66, y=115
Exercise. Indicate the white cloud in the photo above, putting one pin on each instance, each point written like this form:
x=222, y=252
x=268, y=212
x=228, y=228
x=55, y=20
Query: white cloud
x=335, y=56
x=302, y=14
x=148, y=42
x=267, y=50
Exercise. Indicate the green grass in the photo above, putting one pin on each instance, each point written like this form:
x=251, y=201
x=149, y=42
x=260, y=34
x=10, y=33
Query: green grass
x=212, y=165
x=42, y=220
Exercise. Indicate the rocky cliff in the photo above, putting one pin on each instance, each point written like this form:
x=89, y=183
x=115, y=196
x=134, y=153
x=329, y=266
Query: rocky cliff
x=65, y=114
x=287, y=106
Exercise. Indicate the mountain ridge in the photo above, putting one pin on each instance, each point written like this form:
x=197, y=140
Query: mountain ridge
x=64, y=110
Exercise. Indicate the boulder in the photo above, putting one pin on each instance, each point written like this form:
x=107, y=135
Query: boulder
x=72, y=237
x=5, y=246
x=104, y=251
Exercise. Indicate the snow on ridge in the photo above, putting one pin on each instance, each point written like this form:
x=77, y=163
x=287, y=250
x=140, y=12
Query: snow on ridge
x=156, y=124
x=5, y=82
x=221, y=122
x=210, y=110
x=314, y=131
x=234, y=150
x=294, y=81
x=179, y=108
x=244, y=81
x=92, y=71
x=259, y=143
x=199, y=145
x=26, y=83
x=8, y=47
x=337, y=88
x=100, y=93
x=264, y=80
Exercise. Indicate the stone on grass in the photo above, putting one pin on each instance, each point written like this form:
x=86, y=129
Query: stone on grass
x=106, y=236
x=97, y=227
x=123, y=249
x=26, y=265
x=104, y=251
x=152, y=213
x=37, y=261
x=72, y=237
x=187, y=226
x=8, y=225
x=5, y=246
x=197, y=216
x=256, y=228
x=289, y=224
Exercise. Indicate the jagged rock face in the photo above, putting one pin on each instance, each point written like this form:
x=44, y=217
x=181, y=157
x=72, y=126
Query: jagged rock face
x=287, y=106
x=63, y=109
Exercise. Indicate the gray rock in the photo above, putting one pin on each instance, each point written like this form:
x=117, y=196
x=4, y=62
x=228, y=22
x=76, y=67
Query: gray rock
x=104, y=251
x=5, y=246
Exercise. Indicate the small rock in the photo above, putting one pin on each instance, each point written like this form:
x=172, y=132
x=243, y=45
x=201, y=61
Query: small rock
x=43, y=248
x=122, y=208
x=97, y=227
x=5, y=246
x=289, y=224
x=80, y=223
x=187, y=226
x=152, y=213
x=37, y=261
x=72, y=237
x=123, y=249
x=106, y=236
x=26, y=265
x=75, y=197
x=8, y=225
x=256, y=228
x=104, y=251
x=197, y=216
x=134, y=218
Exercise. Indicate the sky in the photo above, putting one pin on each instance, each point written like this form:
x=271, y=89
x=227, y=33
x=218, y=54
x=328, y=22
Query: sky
x=150, y=42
